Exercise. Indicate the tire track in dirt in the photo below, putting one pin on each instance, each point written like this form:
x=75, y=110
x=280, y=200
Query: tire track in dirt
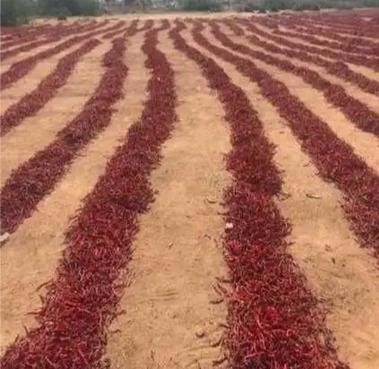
x=38, y=131
x=176, y=258
x=31, y=255
x=368, y=99
x=364, y=144
x=338, y=270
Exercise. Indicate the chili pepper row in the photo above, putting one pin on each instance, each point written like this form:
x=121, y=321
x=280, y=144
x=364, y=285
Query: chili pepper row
x=349, y=23
x=53, y=38
x=148, y=24
x=83, y=299
x=311, y=29
x=335, y=160
x=357, y=112
x=345, y=24
x=294, y=50
x=19, y=32
x=273, y=319
x=131, y=28
x=31, y=103
x=22, y=67
x=351, y=49
x=17, y=35
x=344, y=45
x=369, y=62
x=37, y=177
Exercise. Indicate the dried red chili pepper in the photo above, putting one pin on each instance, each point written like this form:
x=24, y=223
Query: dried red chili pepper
x=335, y=160
x=83, y=299
x=51, y=37
x=21, y=68
x=346, y=24
x=293, y=31
x=367, y=61
x=35, y=178
x=338, y=69
x=269, y=297
x=353, y=109
x=31, y=103
x=347, y=44
x=29, y=33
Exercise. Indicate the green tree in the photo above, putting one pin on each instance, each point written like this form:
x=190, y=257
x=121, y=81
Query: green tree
x=14, y=12
x=68, y=7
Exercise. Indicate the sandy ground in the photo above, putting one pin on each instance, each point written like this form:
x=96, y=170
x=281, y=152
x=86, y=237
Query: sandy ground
x=368, y=99
x=55, y=114
x=177, y=254
x=338, y=270
x=170, y=320
x=26, y=85
x=364, y=144
x=31, y=255
x=358, y=68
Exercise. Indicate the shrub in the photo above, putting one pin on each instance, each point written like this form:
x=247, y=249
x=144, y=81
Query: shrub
x=61, y=8
x=251, y=7
x=15, y=12
x=276, y=5
x=305, y=5
x=202, y=5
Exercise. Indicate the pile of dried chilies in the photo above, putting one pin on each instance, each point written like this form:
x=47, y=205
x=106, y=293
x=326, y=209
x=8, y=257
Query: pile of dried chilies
x=83, y=299
x=55, y=36
x=28, y=33
x=273, y=318
x=367, y=61
x=35, y=178
x=22, y=67
x=294, y=31
x=335, y=159
x=337, y=68
x=34, y=101
x=358, y=113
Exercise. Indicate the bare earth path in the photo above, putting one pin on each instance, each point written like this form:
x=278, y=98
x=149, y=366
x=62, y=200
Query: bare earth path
x=174, y=317
x=36, y=132
x=368, y=99
x=31, y=255
x=359, y=68
x=338, y=270
x=364, y=144
x=177, y=254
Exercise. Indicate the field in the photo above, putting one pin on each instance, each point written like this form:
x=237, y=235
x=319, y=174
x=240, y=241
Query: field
x=191, y=191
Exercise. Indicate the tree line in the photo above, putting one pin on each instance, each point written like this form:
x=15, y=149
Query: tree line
x=14, y=12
